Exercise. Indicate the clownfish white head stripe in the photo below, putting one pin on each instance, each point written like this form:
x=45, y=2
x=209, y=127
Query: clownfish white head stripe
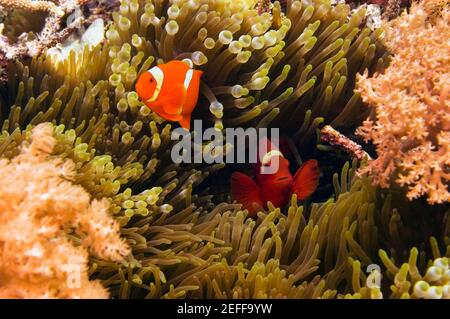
x=268, y=156
x=158, y=74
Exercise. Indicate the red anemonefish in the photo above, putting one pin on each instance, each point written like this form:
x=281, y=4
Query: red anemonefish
x=171, y=90
x=278, y=187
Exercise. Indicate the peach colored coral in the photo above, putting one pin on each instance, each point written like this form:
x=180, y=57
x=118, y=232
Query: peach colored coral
x=39, y=205
x=410, y=123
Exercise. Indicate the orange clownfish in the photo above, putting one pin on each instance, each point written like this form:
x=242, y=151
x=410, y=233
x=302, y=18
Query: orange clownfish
x=275, y=187
x=171, y=90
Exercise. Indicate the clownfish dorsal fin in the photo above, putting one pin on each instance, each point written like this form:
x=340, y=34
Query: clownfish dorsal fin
x=246, y=192
x=174, y=101
x=306, y=179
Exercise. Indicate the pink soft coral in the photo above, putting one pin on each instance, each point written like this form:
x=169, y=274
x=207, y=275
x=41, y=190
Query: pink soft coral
x=39, y=206
x=411, y=121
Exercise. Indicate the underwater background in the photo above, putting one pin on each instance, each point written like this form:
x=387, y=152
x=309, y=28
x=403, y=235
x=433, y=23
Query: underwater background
x=87, y=179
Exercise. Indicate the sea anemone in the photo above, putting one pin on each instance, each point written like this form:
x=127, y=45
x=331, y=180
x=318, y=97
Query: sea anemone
x=255, y=73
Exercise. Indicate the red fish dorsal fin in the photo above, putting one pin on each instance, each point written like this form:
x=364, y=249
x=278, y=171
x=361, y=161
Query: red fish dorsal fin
x=306, y=179
x=174, y=101
x=246, y=192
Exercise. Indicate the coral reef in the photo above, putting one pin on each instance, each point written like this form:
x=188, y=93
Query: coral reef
x=39, y=208
x=49, y=34
x=26, y=32
x=390, y=8
x=29, y=5
x=410, y=125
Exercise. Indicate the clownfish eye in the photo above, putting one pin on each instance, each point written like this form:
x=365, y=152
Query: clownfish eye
x=151, y=80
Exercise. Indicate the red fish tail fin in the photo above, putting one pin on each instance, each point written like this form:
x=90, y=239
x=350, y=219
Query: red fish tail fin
x=306, y=179
x=246, y=192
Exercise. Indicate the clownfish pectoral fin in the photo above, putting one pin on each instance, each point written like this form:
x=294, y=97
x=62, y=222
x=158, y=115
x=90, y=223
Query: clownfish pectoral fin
x=306, y=179
x=185, y=122
x=174, y=101
x=246, y=192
